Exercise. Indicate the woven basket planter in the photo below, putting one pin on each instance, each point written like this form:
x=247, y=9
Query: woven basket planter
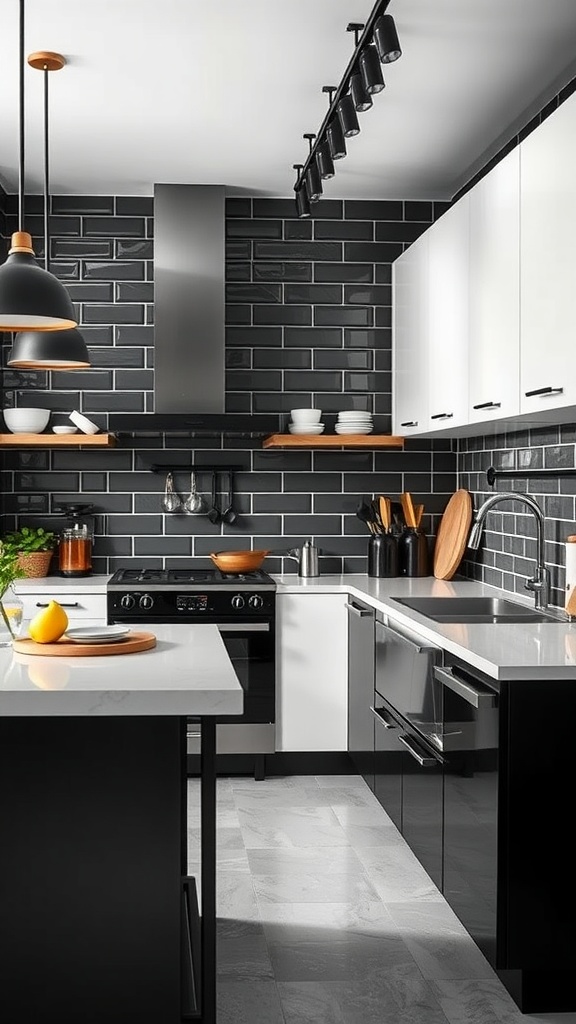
x=35, y=563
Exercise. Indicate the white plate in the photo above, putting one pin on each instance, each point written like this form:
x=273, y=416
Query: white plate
x=354, y=415
x=353, y=430
x=97, y=634
x=315, y=428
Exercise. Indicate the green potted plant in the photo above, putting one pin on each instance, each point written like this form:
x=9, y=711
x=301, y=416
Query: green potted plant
x=32, y=548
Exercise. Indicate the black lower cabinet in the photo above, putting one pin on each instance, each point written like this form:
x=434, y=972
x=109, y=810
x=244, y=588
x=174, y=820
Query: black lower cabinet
x=408, y=784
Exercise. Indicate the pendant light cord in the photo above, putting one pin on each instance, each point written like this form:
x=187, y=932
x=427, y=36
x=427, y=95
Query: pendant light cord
x=46, y=168
x=21, y=123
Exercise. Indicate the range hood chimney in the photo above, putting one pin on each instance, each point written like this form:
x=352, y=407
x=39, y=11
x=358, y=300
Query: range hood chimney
x=189, y=309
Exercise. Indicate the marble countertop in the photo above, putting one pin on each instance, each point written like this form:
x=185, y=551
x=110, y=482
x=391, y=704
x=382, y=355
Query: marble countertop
x=187, y=673
x=501, y=650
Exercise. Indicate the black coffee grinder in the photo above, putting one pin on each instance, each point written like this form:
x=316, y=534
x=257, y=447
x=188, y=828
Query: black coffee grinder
x=76, y=539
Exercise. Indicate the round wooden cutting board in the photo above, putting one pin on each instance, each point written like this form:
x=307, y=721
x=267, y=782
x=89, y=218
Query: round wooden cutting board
x=452, y=535
x=65, y=648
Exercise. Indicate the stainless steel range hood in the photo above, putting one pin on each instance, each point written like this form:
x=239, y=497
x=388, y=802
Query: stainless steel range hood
x=189, y=317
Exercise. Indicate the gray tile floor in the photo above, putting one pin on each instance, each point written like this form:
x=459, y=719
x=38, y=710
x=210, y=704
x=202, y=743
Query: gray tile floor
x=326, y=917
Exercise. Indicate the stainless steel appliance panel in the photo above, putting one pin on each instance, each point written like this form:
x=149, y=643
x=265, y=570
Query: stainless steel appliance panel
x=405, y=677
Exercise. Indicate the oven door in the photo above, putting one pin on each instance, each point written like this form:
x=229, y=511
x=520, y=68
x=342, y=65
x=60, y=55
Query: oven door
x=251, y=650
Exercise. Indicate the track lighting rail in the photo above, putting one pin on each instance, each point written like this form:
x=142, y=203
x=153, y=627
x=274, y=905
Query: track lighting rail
x=340, y=91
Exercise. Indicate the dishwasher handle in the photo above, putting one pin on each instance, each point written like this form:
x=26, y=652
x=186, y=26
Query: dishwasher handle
x=424, y=760
x=415, y=645
x=360, y=611
x=478, y=698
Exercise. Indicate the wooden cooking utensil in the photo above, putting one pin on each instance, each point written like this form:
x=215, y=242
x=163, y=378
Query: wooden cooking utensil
x=408, y=509
x=418, y=513
x=452, y=535
x=385, y=512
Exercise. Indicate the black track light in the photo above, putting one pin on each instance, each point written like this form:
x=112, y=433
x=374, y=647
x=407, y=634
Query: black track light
x=347, y=113
x=386, y=39
x=324, y=161
x=313, y=182
x=360, y=98
x=302, y=204
x=369, y=64
x=335, y=139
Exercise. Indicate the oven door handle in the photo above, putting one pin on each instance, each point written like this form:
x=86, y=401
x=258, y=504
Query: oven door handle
x=477, y=698
x=245, y=627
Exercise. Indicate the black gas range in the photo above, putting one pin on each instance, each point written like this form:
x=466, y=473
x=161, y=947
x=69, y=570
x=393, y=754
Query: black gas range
x=189, y=595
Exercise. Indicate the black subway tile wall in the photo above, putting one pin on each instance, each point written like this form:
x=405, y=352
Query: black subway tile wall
x=308, y=317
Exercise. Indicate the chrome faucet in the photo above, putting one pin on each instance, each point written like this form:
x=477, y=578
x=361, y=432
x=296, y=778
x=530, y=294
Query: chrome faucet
x=539, y=584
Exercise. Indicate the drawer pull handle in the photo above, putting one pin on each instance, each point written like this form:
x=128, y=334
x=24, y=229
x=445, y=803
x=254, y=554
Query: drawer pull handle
x=471, y=694
x=488, y=405
x=410, y=423
x=362, y=613
x=544, y=391
x=380, y=715
x=442, y=416
x=424, y=760
x=71, y=604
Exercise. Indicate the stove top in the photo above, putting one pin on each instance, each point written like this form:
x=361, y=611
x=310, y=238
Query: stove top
x=188, y=579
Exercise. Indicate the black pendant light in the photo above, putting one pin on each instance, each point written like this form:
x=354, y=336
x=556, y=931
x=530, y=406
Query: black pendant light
x=302, y=204
x=370, y=70
x=386, y=39
x=29, y=296
x=347, y=114
x=56, y=350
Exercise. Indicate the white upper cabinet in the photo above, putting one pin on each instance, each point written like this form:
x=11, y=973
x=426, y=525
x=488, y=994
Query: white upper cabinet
x=494, y=294
x=548, y=263
x=448, y=241
x=410, y=330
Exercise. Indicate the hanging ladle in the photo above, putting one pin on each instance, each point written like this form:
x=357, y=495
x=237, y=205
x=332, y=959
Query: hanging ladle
x=214, y=514
x=194, y=503
x=171, y=501
x=230, y=515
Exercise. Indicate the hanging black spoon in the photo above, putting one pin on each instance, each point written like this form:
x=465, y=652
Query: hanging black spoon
x=230, y=515
x=214, y=513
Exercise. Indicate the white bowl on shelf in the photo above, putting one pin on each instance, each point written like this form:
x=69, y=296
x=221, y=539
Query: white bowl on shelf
x=85, y=425
x=310, y=428
x=26, y=421
x=305, y=416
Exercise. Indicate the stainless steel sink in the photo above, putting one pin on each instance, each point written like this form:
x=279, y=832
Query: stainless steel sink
x=474, y=609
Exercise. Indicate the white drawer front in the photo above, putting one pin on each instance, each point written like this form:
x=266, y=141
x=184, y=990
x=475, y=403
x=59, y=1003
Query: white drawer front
x=81, y=607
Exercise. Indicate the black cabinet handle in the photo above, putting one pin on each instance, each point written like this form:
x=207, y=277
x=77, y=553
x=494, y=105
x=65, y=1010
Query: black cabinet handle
x=544, y=391
x=410, y=423
x=442, y=416
x=488, y=405
x=381, y=717
x=71, y=604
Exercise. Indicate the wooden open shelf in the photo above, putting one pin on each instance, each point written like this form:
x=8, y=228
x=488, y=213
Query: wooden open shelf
x=332, y=441
x=57, y=440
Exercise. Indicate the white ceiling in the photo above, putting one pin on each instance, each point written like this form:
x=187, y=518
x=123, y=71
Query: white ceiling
x=221, y=91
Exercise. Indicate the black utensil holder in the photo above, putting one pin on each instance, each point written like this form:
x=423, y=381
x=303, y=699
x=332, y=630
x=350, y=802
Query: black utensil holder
x=383, y=556
x=413, y=553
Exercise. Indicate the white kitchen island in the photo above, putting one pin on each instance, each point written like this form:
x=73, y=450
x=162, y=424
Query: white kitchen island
x=98, y=918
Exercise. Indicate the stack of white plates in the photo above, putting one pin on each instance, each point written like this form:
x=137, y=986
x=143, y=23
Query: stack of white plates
x=303, y=428
x=354, y=422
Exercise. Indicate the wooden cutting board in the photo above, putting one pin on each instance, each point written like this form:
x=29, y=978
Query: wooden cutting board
x=65, y=648
x=452, y=535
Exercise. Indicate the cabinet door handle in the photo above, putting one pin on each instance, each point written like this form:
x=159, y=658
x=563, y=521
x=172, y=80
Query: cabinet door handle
x=381, y=716
x=424, y=760
x=476, y=697
x=488, y=405
x=71, y=604
x=544, y=391
x=410, y=423
x=442, y=416
x=362, y=613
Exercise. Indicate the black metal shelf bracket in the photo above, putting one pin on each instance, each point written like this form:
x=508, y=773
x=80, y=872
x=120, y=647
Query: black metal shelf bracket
x=173, y=467
x=492, y=474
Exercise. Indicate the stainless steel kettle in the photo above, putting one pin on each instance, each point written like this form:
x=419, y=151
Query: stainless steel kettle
x=307, y=557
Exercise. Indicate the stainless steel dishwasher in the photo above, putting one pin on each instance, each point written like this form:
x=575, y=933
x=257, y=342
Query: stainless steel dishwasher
x=408, y=778
x=361, y=660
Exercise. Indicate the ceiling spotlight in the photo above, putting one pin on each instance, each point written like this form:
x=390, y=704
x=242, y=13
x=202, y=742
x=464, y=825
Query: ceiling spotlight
x=360, y=98
x=386, y=39
x=335, y=139
x=369, y=64
x=324, y=161
x=302, y=204
x=313, y=182
x=347, y=113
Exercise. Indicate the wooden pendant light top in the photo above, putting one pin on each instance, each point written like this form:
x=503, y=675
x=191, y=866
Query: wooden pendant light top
x=21, y=241
x=46, y=60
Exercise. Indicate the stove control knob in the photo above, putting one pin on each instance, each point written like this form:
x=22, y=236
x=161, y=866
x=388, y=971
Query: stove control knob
x=127, y=601
x=146, y=601
x=238, y=601
x=255, y=601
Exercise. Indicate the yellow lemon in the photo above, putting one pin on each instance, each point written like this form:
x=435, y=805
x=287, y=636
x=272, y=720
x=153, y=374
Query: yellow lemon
x=49, y=624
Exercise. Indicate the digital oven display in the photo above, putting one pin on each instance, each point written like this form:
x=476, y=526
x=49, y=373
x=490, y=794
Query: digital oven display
x=192, y=602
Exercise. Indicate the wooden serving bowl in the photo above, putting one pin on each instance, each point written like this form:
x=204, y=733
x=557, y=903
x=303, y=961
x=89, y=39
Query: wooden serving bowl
x=238, y=561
